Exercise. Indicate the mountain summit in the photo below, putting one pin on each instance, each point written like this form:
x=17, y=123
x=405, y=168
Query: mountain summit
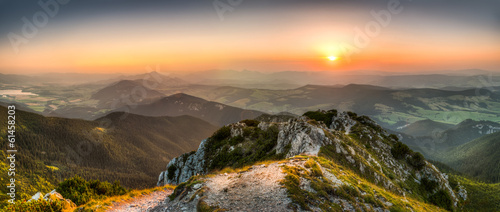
x=322, y=161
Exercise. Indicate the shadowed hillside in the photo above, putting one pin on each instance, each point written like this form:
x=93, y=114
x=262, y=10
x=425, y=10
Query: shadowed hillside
x=120, y=146
x=479, y=158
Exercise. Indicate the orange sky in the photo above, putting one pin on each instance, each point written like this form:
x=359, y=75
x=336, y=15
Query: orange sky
x=262, y=41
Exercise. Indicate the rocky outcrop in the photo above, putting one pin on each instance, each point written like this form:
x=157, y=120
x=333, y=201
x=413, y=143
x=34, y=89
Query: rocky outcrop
x=354, y=142
x=263, y=187
x=181, y=168
x=342, y=122
x=295, y=137
x=300, y=137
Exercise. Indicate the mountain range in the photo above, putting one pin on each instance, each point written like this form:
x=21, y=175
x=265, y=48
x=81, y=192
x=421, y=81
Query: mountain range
x=391, y=107
x=456, y=78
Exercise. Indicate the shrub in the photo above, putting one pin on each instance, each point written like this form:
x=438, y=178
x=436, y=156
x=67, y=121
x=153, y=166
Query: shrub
x=453, y=182
x=417, y=160
x=171, y=172
x=399, y=150
x=442, y=199
x=260, y=148
x=367, y=121
x=394, y=137
x=428, y=185
x=247, y=131
x=218, y=139
x=251, y=122
x=222, y=133
x=325, y=117
x=236, y=140
x=81, y=191
x=351, y=114
x=36, y=206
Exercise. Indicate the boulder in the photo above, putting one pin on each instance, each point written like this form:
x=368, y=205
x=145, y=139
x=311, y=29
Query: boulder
x=55, y=196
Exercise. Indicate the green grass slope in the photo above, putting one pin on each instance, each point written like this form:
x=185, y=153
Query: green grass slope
x=481, y=196
x=479, y=158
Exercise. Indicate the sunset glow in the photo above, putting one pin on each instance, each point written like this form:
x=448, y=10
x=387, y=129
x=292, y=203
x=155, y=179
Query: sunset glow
x=253, y=37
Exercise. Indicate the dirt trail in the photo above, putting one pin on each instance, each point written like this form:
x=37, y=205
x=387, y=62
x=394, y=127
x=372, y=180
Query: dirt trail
x=258, y=188
x=141, y=203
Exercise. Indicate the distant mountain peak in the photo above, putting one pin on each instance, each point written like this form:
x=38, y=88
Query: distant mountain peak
x=182, y=97
x=126, y=82
x=125, y=92
x=184, y=104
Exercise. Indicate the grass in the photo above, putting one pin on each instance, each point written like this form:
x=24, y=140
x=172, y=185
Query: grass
x=292, y=184
x=329, y=153
x=185, y=187
x=358, y=140
x=481, y=196
x=323, y=188
x=202, y=206
x=242, y=169
x=315, y=170
x=356, y=185
x=103, y=204
x=37, y=206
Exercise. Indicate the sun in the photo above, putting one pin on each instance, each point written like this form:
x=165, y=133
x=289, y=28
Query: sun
x=332, y=58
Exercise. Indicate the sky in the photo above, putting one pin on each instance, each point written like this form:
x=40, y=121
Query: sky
x=126, y=36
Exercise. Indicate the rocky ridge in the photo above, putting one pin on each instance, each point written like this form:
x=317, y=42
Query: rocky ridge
x=350, y=144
